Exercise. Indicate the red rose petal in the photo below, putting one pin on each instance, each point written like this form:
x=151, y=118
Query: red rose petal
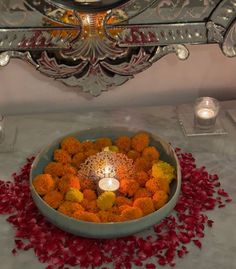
x=150, y=266
x=165, y=242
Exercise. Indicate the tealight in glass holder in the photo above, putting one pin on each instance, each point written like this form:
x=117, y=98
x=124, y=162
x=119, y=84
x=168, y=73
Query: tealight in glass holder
x=206, y=110
x=202, y=119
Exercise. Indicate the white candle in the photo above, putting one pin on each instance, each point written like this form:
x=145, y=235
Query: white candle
x=109, y=184
x=205, y=112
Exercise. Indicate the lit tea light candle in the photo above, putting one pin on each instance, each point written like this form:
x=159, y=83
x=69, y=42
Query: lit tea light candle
x=108, y=184
x=205, y=112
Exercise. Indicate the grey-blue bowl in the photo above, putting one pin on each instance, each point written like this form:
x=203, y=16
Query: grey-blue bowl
x=105, y=230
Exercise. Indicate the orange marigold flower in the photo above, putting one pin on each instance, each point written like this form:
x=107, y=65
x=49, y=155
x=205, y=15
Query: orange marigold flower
x=90, y=205
x=123, y=207
x=69, y=208
x=87, y=184
x=163, y=184
x=67, y=182
x=106, y=216
x=112, y=217
x=123, y=143
x=145, y=204
x=133, y=154
x=141, y=177
x=103, y=215
x=131, y=213
x=142, y=192
x=102, y=142
x=121, y=200
x=140, y=141
x=87, y=145
x=156, y=184
x=91, y=152
x=86, y=216
x=160, y=198
x=69, y=169
x=71, y=145
x=61, y=156
x=142, y=164
x=44, y=183
x=89, y=194
x=54, y=169
x=53, y=198
x=115, y=210
x=78, y=159
x=128, y=186
x=151, y=153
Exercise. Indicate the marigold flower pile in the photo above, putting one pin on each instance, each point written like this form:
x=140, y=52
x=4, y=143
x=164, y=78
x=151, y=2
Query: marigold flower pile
x=61, y=187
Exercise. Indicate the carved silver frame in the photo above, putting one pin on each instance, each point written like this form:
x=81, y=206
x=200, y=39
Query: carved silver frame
x=99, y=50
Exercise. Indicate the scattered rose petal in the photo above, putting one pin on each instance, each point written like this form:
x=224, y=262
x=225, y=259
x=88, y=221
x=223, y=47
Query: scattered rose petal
x=167, y=240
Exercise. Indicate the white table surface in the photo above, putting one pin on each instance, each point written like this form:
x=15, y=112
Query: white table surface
x=217, y=153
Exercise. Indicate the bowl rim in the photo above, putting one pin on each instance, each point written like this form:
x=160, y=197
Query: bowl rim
x=96, y=224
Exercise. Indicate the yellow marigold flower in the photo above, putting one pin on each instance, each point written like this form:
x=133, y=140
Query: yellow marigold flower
x=106, y=200
x=163, y=170
x=74, y=195
x=111, y=148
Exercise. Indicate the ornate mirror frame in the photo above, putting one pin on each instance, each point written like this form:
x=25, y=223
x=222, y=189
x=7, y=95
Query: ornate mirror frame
x=95, y=45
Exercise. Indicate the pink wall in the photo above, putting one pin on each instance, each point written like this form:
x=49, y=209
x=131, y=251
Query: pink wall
x=169, y=81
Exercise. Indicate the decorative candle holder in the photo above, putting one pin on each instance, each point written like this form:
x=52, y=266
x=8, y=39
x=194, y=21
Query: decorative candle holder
x=105, y=169
x=203, y=119
x=206, y=110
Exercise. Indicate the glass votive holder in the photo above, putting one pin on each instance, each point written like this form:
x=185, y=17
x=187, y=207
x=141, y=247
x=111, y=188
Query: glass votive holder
x=206, y=110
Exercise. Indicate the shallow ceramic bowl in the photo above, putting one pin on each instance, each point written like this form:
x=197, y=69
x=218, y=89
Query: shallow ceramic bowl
x=105, y=230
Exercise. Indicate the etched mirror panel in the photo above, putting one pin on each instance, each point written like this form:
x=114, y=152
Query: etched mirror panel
x=95, y=45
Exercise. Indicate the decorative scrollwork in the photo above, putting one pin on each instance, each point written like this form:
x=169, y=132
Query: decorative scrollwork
x=229, y=44
x=180, y=9
x=96, y=51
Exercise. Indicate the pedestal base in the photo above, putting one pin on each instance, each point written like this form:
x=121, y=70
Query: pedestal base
x=186, y=121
